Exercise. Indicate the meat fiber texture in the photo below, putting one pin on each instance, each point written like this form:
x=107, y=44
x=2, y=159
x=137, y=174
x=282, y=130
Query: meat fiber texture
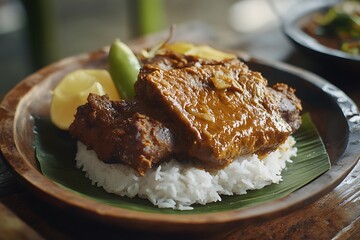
x=221, y=110
x=125, y=131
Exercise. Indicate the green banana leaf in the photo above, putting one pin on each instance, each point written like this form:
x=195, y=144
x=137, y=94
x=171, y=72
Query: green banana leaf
x=55, y=151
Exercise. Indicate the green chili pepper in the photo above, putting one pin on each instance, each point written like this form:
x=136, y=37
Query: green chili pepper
x=124, y=68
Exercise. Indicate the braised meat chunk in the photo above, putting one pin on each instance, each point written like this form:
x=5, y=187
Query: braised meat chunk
x=127, y=132
x=289, y=105
x=172, y=60
x=222, y=111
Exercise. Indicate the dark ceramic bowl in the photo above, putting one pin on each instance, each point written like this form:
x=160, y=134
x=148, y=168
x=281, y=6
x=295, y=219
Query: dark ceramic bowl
x=293, y=22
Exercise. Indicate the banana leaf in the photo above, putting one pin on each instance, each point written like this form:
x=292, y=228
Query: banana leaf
x=55, y=152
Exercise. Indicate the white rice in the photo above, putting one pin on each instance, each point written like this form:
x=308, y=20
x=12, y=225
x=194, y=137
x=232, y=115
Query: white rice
x=178, y=185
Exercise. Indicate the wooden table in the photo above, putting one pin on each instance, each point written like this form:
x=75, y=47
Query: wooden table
x=334, y=216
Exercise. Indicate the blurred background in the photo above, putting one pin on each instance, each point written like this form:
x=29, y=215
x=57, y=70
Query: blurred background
x=34, y=33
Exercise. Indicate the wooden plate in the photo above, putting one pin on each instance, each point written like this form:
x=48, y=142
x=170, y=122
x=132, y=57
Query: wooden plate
x=335, y=116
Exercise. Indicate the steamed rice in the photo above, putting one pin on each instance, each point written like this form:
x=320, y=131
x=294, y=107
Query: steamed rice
x=177, y=185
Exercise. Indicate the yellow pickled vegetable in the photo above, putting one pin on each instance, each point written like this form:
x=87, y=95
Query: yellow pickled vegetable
x=73, y=91
x=202, y=51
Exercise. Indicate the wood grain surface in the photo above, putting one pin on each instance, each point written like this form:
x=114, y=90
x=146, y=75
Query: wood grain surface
x=12, y=227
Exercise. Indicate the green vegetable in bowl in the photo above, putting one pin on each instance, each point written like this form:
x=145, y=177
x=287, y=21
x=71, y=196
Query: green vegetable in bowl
x=340, y=25
x=124, y=68
x=342, y=21
x=352, y=47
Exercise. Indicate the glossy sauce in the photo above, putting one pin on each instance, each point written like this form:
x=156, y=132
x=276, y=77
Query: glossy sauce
x=225, y=111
